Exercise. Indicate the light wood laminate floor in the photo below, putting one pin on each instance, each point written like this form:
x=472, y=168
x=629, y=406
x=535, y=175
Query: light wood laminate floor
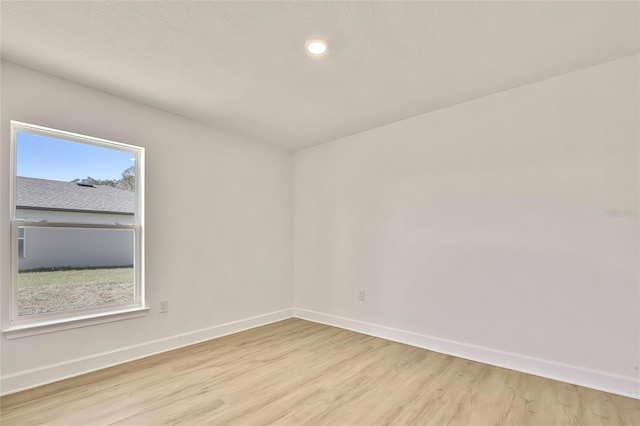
x=299, y=372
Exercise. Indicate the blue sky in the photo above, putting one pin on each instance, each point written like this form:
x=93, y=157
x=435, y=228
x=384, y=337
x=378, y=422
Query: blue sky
x=49, y=158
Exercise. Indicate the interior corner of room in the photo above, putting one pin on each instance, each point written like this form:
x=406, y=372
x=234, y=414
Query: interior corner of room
x=500, y=228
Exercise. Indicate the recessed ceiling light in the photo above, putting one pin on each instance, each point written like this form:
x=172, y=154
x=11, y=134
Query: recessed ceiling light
x=316, y=46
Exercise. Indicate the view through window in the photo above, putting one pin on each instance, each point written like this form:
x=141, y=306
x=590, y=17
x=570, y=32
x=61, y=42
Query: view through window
x=77, y=203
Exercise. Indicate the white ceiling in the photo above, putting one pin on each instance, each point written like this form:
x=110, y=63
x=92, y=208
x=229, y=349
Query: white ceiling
x=241, y=66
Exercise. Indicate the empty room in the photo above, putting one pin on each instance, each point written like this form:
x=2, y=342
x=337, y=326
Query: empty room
x=330, y=213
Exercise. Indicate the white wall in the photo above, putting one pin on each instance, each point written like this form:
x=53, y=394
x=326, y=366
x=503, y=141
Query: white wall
x=484, y=229
x=60, y=247
x=76, y=248
x=480, y=230
x=218, y=229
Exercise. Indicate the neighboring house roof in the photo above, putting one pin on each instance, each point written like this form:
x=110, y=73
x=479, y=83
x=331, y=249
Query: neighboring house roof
x=43, y=194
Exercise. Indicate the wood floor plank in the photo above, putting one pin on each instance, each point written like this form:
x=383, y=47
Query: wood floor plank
x=298, y=372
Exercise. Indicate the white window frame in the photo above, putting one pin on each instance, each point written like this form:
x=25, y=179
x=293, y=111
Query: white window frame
x=20, y=326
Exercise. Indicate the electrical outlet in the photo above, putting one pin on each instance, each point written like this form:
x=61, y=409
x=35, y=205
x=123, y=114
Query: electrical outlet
x=164, y=306
x=361, y=295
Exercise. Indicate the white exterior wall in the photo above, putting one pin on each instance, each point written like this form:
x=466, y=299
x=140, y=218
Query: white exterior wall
x=77, y=248
x=504, y=229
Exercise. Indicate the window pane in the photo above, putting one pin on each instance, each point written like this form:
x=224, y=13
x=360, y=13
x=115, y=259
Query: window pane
x=73, y=268
x=80, y=181
x=64, y=183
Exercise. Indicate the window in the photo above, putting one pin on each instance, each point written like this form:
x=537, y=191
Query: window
x=80, y=201
x=21, y=243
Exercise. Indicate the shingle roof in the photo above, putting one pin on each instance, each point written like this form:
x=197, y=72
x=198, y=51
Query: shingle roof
x=43, y=194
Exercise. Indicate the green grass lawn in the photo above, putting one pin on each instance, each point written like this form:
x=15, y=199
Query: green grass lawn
x=51, y=291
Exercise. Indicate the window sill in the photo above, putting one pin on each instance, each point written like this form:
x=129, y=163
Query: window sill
x=32, y=329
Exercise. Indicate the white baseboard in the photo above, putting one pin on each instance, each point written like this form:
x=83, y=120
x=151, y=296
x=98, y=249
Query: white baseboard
x=600, y=380
x=595, y=379
x=23, y=380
